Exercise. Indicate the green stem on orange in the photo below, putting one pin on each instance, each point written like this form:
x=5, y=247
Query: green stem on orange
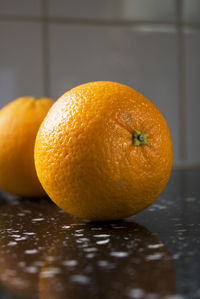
x=35, y=98
x=139, y=138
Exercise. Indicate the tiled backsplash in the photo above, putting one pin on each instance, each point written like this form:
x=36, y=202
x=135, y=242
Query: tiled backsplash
x=138, y=10
x=50, y=46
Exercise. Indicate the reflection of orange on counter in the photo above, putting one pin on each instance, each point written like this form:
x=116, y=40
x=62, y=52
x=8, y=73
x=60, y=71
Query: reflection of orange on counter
x=107, y=261
x=27, y=229
x=42, y=249
x=22, y=246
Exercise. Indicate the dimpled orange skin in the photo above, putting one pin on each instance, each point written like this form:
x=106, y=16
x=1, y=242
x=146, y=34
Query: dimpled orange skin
x=85, y=157
x=19, y=124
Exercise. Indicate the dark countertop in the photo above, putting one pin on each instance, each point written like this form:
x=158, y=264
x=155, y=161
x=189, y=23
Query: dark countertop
x=44, y=253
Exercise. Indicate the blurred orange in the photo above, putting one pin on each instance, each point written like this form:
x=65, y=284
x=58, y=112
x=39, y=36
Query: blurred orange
x=19, y=123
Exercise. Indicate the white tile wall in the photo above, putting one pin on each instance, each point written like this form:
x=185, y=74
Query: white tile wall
x=20, y=60
x=146, y=62
x=144, y=57
x=191, y=11
x=192, y=43
x=20, y=7
x=146, y=10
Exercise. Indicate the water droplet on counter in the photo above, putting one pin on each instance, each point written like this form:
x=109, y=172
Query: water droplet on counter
x=136, y=294
x=38, y=263
x=21, y=264
x=83, y=239
x=101, y=236
x=50, y=258
x=79, y=230
x=90, y=249
x=154, y=246
x=102, y=242
x=31, y=270
x=190, y=199
x=29, y=234
x=31, y=251
x=176, y=256
x=153, y=257
x=20, y=239
x=70, y=263
x=78, y=235
x=15, y=236
x=119, y=254
x=66, y=226
x=77, y=224
x=12, y=243
x=50, y=272
x=90, y=255
x=103, y=263
x=82, y=279
x=174, y=297
x=117, y=227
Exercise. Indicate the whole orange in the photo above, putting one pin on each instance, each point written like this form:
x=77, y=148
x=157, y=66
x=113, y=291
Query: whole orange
x=19, y=124
x=103, y=152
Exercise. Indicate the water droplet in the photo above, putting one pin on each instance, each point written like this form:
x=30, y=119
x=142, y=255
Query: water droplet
x=31, y=251
x=29, y=234
x=78, y=235
x=90, y=255
x=136, y=294
x=50, y=272
x=31, y=270
x=70, y=263
x=190, y=199
x=90, y=249
x=82, y=279
x=12, y=243
x=103, y=263
x=119, y=254
x=154, y=257
x=66, y=226
x=37, y=219
x=154, y=246
x=101, y=242
x=101, y=236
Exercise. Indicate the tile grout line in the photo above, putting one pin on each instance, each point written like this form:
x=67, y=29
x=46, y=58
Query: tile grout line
x=181, y=83
x=186, y=165
x=79, y=21
x=181, y=97
x=45, y=48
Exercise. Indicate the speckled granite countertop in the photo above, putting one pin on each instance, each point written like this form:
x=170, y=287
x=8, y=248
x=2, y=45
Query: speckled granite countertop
x=44, y=253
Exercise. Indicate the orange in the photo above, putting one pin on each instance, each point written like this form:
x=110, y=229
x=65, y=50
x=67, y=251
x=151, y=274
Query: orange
x=103, y=152
x=19, y=123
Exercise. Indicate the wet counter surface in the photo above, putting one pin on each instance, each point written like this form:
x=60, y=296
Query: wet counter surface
x=44, y=253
